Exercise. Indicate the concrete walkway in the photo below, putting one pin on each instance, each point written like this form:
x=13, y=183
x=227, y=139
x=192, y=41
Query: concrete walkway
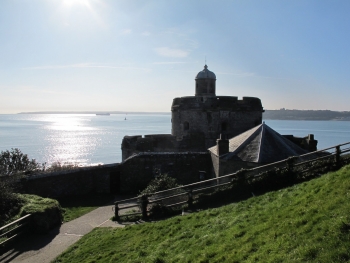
x=45, y=248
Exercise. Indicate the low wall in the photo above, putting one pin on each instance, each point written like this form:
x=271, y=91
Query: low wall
x=85, y=180
x=138, y=170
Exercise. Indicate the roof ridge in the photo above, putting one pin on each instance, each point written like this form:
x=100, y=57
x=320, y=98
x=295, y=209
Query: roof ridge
x=261, y=141
x=244, y=143
x=286, y=142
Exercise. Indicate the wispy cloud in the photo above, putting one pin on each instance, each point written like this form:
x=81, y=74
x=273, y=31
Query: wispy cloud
x=83, y=65
x=251, y=74
x=171, y=52
x=239, y=74
x=126, y=31
x=146, y=33
x=169, y=63
x=31, y=90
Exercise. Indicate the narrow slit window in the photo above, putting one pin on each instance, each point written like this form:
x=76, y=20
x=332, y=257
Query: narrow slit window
x=224, y=126
x=186, y=126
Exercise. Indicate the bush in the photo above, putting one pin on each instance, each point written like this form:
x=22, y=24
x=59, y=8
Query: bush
x=15, y=162
x=13, y=165
x=10, y=203
x=46, y=212
x=160, y=183
x=58, y=166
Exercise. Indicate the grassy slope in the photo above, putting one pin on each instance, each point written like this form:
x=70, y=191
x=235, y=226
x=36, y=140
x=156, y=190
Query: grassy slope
x=309, y=222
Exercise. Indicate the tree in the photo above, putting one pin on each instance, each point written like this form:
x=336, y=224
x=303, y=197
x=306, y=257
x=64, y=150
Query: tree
x=12, y=165
x=15, y=162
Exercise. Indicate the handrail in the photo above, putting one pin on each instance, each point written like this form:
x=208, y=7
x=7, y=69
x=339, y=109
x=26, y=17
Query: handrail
x=255, y=172
x=14, y=222
x=14, y=230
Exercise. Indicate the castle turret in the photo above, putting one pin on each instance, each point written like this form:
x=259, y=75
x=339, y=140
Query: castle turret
x=205, y=83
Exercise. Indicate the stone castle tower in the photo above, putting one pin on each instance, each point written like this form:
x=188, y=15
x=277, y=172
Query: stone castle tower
x=208, y=115
x=198, y=121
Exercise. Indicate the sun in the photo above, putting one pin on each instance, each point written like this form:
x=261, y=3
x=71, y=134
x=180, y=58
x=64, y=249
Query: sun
x=72, y=3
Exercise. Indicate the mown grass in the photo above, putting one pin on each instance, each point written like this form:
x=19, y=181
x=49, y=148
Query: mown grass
x=76, y=206
x=309, y=222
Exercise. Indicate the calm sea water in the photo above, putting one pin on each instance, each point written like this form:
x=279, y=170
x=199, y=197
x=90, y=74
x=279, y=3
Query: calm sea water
x=89, y=139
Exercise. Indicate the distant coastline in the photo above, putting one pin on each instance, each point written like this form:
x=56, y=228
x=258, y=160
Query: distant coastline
x=282, y=114
x=306, y=115
x=93, y=112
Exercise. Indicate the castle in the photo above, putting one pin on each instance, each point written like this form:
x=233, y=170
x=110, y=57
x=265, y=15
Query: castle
x=208, y=132
x=198, y=121
x=211, y=136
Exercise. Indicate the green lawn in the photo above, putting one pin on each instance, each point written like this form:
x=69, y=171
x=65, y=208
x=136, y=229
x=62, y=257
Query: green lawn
x=76, y=206
x=309, y=222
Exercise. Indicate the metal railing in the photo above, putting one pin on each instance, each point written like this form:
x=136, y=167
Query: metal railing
x=185, y=195
x=12, y=231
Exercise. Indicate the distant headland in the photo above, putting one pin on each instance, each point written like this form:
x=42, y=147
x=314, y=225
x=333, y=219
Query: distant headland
x=93, y=112
x=281, y=114
x=310, y=115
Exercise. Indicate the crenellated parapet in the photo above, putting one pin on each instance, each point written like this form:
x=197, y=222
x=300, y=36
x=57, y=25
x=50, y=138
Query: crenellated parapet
x=214, y=115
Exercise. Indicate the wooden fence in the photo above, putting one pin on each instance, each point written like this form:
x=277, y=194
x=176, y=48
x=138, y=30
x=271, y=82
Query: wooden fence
x=10, y=232
x=304, y=166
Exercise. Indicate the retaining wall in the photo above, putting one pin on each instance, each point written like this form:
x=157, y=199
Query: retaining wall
x=85, y=180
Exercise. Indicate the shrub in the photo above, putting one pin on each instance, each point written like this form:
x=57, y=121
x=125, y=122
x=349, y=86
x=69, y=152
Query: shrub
x=14, y=162
x=10, y=203
x=46, y=212
x=160, y=183
x=58, y=166
x=13, y=165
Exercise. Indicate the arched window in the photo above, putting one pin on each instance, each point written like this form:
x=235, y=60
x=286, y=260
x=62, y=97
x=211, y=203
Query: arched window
x=186, y=126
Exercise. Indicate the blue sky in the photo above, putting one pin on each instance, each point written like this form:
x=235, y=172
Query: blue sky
x=104, y=55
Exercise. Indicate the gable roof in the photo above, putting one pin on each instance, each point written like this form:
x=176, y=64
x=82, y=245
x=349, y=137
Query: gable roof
x=260, y=144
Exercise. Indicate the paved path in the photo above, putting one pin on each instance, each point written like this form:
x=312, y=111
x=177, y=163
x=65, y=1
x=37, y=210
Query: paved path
x=45, y=248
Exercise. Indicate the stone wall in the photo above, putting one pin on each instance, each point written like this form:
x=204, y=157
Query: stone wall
x=138, y=170
x=85, y=180
x=213, y=116
x=223, y=167
x=161, y=143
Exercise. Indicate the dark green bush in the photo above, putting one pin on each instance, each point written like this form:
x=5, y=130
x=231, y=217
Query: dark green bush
x=14, y=162
x=160, y=183
x=46, y=212
x=58, y=166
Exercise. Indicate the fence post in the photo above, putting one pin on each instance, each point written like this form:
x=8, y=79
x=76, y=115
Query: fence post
x=144, y=203
x=337, y=155
x=241, y=176
x=190, y=200
x=290, y=163
x=116, y=211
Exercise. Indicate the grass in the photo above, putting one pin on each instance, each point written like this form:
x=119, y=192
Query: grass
x=76, y=206
x=309, y=222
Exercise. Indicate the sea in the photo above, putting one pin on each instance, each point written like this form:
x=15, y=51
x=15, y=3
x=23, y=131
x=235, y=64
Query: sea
x=89, y=139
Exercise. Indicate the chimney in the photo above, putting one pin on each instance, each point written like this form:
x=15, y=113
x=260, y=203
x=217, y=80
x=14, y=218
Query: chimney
x=222, y=146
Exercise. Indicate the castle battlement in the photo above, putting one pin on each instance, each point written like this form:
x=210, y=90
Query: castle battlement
x=198, y=121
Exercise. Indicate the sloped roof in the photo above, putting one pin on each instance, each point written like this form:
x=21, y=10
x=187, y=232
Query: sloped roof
x=260, y=144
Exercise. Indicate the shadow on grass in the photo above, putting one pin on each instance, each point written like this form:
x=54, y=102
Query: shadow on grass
x=76, y=206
